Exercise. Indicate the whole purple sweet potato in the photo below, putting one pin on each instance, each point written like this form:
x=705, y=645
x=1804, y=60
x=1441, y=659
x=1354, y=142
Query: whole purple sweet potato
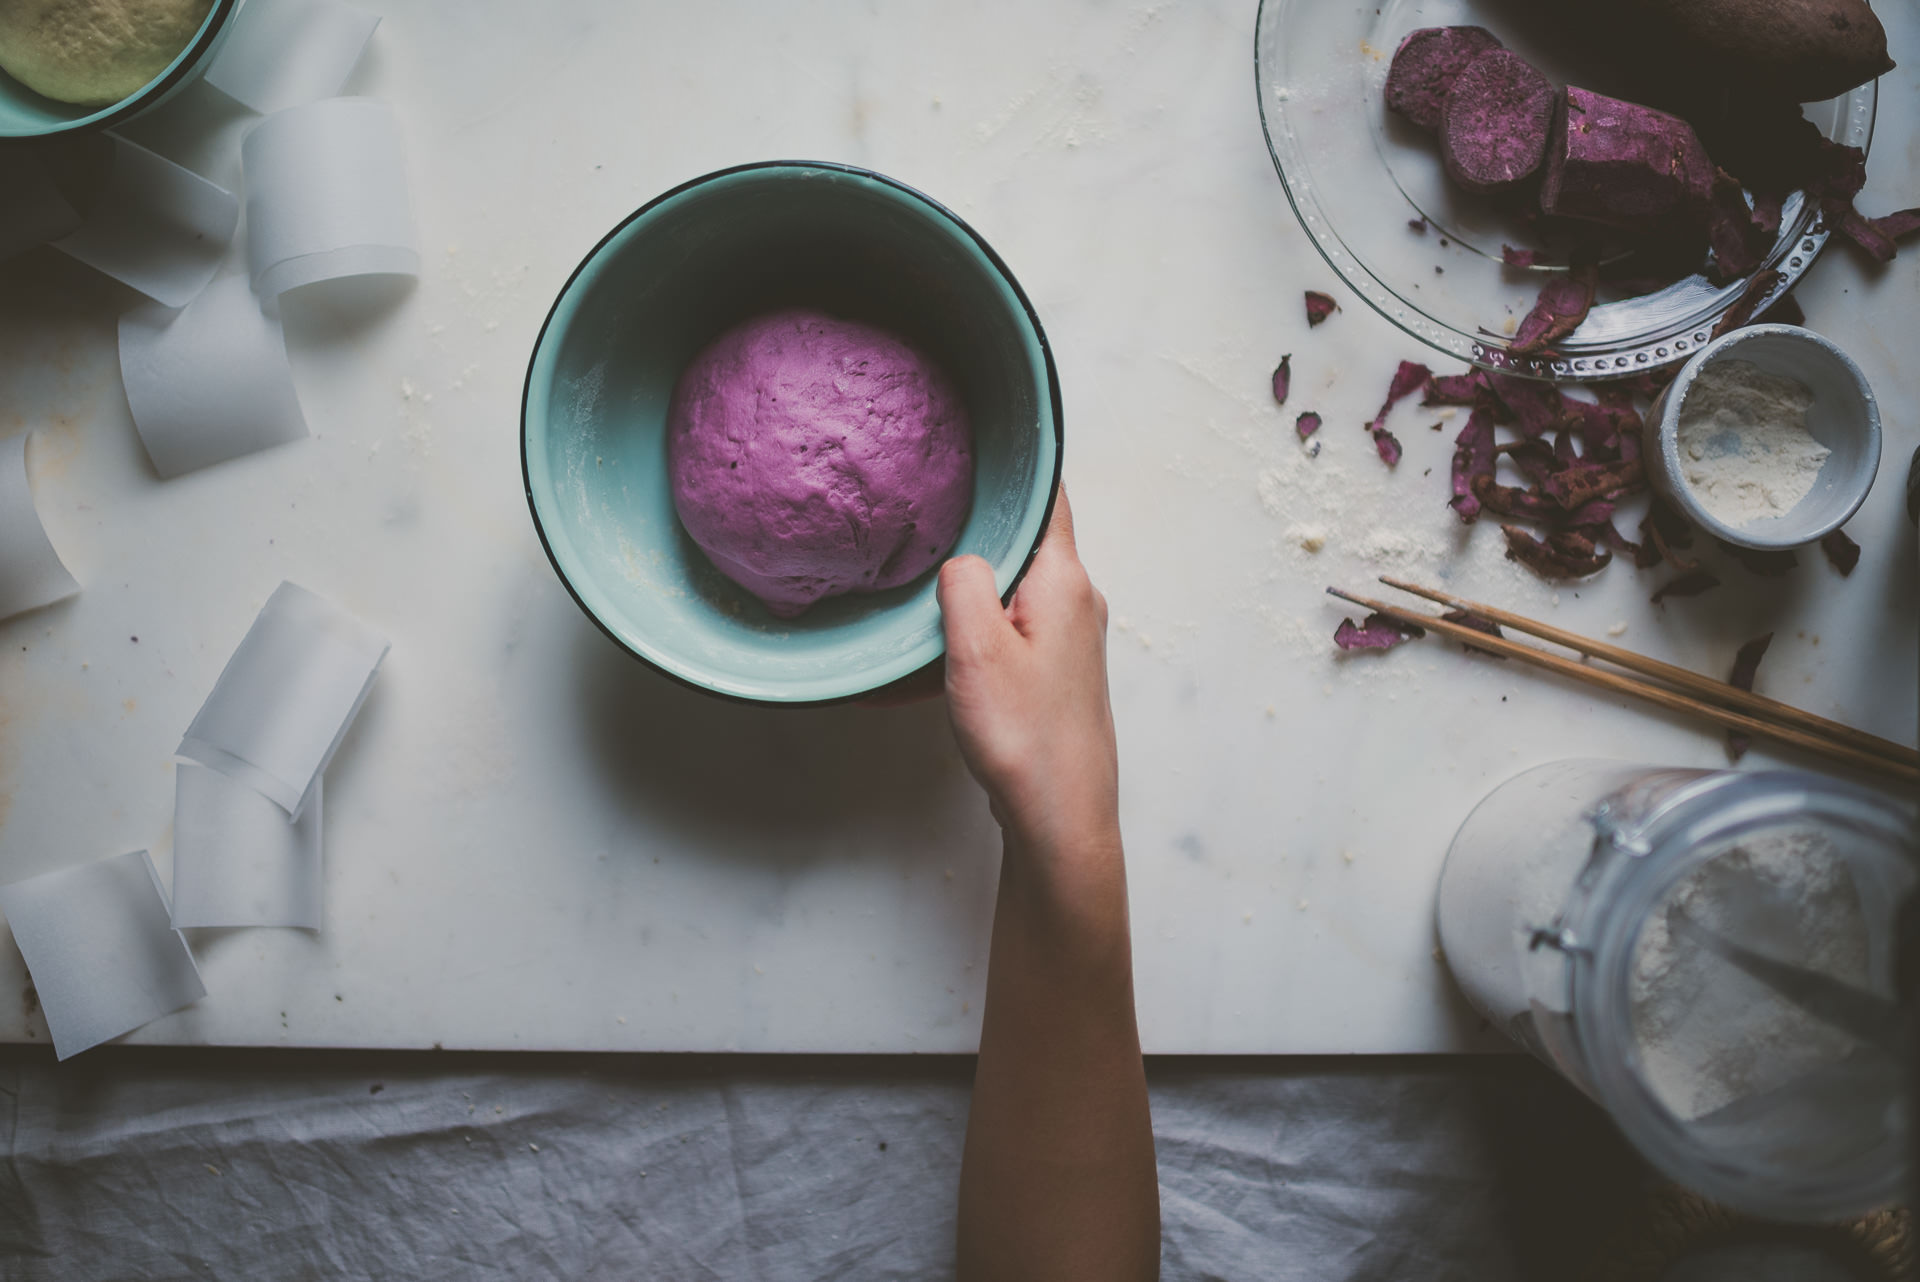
x=1801, y=50
x=1495, y=123
x=1425, y=66
x=1624, y=165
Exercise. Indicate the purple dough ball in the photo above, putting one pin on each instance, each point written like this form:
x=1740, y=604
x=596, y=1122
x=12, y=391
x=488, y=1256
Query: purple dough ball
x=811, y=456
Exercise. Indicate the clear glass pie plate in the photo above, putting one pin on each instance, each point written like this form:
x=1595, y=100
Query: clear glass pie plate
x=1359, y=177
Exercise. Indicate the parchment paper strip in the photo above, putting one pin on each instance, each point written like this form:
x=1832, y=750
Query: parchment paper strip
x=103, y=954
x=287, y=696
x=327, y=196
x=237, y=859
x=32, y=210
x=283, y=53
x=31, y=574
x=210, y=382
x=154, y=226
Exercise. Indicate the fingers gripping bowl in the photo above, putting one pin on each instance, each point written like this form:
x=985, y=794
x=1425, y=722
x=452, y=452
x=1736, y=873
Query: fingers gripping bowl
x=691, y=264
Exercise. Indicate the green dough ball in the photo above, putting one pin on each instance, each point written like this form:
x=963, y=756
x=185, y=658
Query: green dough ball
x=93, y=53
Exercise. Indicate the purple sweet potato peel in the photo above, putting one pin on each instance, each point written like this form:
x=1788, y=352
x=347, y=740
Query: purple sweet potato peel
x=1692, y=583
x=1558, y=311
x=1377, y=633
x=1407, y=380
x=1841, y=550
x=1745, y=665
x=1473, y=459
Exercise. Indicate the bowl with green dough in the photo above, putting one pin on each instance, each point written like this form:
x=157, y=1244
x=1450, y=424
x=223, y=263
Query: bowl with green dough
x=76, y=66
x=694, y=265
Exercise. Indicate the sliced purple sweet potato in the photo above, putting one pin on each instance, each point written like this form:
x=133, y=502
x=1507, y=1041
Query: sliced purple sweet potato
x=1425, y=66
x=1495, y=124
x=1319, y=307
x=1559, y=310
x=1519, y=257
x=1307, y=424
x=1378, y=632
x=1282, y=379
x=1623, y=165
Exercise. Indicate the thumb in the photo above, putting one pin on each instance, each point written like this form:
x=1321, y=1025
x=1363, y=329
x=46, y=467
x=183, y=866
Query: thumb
x=970, y=610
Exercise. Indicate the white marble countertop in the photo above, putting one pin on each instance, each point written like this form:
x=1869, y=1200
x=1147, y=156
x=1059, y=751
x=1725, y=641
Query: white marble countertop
x=532, y=841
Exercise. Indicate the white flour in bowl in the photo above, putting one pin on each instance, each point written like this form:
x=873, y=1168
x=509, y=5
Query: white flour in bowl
x=1744, y=446
x=1710, y=1034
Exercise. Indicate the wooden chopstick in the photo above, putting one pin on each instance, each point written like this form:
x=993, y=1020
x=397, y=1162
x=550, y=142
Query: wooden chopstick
x=1706, y=687
x=1673, y=700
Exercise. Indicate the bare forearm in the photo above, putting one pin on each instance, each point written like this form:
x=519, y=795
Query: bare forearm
x=1058, y=1180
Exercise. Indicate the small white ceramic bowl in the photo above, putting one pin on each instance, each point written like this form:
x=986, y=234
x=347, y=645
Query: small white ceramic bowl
x=1844, y=417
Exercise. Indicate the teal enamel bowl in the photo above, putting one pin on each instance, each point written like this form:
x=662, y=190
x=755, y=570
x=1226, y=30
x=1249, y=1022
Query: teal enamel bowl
x=690, y=264
x=25, y=114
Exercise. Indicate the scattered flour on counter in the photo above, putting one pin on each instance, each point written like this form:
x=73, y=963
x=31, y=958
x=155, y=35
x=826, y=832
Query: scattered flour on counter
x=1708, y=1033
x=1744, y=445
x=1323, y=490
x=1348, y=523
